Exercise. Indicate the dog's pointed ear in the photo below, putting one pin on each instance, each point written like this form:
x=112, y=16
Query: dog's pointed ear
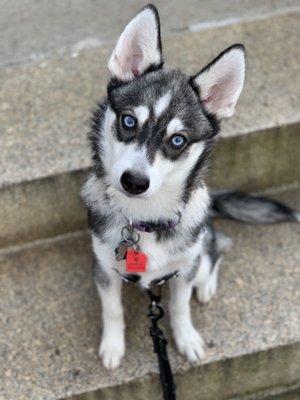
x=139, y=46
x=219, y=85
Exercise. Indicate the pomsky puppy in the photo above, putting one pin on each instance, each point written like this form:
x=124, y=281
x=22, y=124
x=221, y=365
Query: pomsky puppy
x=151, y=139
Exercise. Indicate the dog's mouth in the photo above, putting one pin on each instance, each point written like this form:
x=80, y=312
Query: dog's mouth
x=132, y=196
x=118, y=189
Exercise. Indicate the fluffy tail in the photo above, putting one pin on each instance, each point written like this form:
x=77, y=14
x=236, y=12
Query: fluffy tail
x=251, y=209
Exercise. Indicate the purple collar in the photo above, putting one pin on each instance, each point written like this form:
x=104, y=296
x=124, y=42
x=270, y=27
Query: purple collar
x=148, y=226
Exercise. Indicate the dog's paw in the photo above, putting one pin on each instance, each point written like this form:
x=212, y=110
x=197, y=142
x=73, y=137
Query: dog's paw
x=189, y=343
x=206, y=291
x=111, y=352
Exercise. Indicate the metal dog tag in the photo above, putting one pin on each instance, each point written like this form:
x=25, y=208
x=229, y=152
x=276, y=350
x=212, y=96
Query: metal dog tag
x=121, y=250
x=130, y=240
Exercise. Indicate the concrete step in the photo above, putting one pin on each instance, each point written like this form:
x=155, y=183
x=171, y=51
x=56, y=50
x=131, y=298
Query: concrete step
x=50, y=324
x=45, y=110
x=81, y=24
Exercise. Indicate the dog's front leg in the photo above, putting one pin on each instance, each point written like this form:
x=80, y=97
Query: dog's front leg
x=112, y=345
x=187, y=339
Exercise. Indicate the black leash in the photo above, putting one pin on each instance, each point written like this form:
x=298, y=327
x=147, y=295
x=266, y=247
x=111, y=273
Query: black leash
x=160, y=343
x=156, y=312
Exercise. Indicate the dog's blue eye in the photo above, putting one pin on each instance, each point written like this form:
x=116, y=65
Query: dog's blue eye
x=177, y=141
x=128, y=122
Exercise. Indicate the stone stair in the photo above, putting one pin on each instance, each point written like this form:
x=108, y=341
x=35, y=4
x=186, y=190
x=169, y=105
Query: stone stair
x=50, y=323
x=46, y=108
x=49, y=310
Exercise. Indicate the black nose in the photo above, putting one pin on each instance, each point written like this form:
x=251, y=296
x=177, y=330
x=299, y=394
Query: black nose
x=134, y=183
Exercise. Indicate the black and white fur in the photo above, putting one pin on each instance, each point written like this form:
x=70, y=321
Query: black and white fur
x=163, y=102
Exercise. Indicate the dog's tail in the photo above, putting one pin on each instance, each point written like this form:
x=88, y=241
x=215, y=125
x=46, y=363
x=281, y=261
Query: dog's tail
x=251, y=209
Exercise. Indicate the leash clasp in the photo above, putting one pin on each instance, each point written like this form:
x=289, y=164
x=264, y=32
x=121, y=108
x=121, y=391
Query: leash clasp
x=156, y=312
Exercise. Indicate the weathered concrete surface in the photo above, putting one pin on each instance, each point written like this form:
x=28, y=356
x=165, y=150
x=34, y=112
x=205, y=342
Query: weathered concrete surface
x=45, y=109
x=49, y=316
x=45, y=112
x=233, y=379
x=293, y=395
x=260, y=160
x=32, y=30
x=41, y=209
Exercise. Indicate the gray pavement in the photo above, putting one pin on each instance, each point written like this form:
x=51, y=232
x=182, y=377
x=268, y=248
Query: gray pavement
x=45, y=108
x=32, y=30
x=50, y=321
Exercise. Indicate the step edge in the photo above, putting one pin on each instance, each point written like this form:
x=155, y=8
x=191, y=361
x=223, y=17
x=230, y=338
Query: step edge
x=87, y=166
x=220, y=363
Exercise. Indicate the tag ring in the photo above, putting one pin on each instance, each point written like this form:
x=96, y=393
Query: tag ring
x=127, y=234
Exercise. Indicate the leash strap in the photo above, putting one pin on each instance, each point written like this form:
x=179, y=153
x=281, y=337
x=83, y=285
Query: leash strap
x=159, y=340
x=160, y=343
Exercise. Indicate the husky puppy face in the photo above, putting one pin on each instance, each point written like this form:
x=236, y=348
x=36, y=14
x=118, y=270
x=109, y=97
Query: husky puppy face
x=156, y=127
x=159, y=130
